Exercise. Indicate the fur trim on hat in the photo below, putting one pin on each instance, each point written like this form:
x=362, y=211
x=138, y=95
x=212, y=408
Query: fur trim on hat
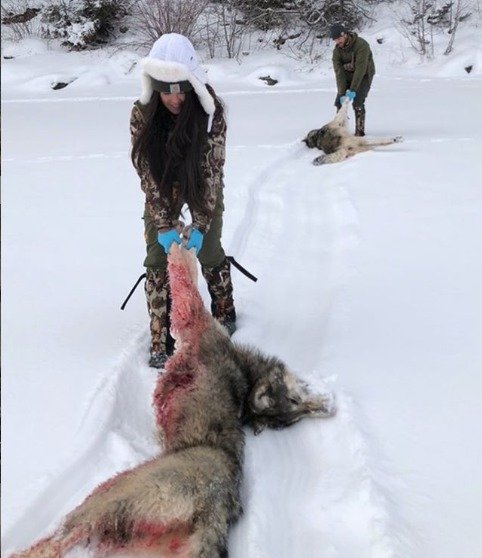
x=173, y=72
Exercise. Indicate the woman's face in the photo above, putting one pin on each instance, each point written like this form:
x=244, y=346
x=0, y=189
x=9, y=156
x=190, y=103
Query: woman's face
x=173, y=101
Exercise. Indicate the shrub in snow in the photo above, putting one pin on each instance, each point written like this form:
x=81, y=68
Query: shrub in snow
x=294, y=25
x=322, y=14
x=82, y=23
x=269, y=14
x=266, y=14
x=19, y=19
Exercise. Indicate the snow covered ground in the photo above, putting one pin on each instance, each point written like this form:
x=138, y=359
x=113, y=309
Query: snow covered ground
x=370, y=275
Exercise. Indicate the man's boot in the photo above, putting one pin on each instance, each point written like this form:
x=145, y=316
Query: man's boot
x=220, y=288
x=359, y=121
x=158, y=306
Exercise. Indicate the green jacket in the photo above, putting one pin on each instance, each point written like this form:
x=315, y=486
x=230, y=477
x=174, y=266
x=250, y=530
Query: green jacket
x=352, y=63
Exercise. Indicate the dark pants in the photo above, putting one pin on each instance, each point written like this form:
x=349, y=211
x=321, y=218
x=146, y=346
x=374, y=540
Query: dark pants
x=361, y=94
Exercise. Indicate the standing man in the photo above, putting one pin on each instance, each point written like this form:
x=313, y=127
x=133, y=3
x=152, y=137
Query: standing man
x=354, y=70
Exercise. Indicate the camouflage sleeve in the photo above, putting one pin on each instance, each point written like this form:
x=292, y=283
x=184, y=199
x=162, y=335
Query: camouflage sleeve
x=213, y=168
x=362, y=58
x=341, y=82
x=158, y=207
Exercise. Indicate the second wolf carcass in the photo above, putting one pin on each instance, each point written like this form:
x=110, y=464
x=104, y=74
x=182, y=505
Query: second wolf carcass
x=337, y=143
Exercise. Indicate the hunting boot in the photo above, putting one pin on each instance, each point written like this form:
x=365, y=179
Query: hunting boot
x=220, y=288
x=158, y=306
x=359, y=122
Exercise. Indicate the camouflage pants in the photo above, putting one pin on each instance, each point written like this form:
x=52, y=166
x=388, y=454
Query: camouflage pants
x=215, y=268
x=220, y=288
x=158, y=303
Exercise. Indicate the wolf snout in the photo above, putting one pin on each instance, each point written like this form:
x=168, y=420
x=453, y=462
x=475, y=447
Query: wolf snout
x=323, y=406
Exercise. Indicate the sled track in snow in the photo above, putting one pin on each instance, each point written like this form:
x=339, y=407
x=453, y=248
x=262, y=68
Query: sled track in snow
x=311, y=494
x=290, y=153
x=327, y=468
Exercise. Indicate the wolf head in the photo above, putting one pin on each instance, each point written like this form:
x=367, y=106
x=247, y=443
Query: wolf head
x=311, y=139
x=279, y=399
x=317, y=138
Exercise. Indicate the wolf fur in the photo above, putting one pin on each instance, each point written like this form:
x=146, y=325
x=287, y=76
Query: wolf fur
x=182, y=502
x=337, y=143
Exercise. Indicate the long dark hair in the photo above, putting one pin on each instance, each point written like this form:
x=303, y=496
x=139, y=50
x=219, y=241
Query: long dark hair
x=173, y=148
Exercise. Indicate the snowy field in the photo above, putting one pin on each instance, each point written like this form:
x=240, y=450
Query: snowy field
x=370, y=283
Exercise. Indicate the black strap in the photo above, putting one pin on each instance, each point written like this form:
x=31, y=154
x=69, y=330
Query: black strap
x=242, y=269
x=132, y=291
x=230, y=258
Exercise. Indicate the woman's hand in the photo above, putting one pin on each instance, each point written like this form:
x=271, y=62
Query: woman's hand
x=193, y=237
x=166, y=239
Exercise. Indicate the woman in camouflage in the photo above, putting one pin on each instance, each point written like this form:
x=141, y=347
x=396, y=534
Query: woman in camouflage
x=178, y=146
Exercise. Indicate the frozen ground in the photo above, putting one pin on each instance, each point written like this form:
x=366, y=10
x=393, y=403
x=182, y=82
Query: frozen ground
x=370, y=277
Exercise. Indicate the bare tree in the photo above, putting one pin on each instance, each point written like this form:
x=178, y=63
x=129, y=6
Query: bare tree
x=210, y=30
x=153, y=18
x=415, y=28
x=224, y=29
x=306, y=45
x=458, y=14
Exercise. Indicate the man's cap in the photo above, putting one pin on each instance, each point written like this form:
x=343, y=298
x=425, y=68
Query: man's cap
x=336, y=31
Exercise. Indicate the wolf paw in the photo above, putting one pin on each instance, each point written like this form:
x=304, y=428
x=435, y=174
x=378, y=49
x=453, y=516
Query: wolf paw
x=398, y=139
x=319, y=160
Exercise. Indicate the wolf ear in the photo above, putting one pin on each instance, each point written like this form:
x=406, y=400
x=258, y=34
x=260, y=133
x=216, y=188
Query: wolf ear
x=260, y=397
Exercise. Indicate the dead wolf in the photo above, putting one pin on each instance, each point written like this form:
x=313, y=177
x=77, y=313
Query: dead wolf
x=337, y=143
x=183, y=502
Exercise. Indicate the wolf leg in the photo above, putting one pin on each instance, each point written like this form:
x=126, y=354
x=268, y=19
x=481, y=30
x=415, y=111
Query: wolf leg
x=56, y=545
x=341, y=115
x=335, y=157
x=210, y=542
x=188, y=315
x=378, y=143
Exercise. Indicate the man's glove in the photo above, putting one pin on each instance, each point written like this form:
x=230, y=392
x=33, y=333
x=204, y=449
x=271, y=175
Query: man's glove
x=349, y=94
x=166, y=239
x=195, y=240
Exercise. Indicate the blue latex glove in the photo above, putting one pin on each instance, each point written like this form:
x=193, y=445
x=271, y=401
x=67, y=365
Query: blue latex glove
x=195, y=240
x=349, y=94
x=166, y=239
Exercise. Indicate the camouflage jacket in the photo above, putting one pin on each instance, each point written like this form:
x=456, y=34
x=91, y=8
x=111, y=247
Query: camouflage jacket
x=352, y=63
x=163, y=211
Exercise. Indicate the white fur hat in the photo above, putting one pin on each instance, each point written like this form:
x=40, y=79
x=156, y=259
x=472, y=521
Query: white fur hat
x=172, y=59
